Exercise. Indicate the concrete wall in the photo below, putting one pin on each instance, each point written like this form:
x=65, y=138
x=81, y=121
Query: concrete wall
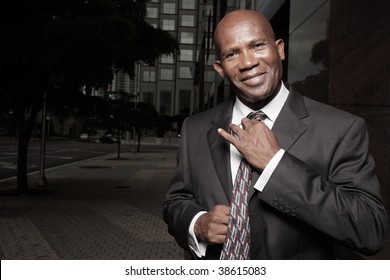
x=360, y=74
x=360, y=71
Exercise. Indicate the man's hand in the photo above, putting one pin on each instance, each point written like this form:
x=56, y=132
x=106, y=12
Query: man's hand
x=255, y=142
x=211, y=227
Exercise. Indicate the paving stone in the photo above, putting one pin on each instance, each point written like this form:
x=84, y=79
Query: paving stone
x=93, y=213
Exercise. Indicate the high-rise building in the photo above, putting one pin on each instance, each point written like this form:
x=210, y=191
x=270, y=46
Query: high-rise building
x=168, y=84
x=121, y=83
x=175, y=84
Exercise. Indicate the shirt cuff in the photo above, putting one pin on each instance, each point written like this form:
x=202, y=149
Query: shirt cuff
x=268, y=170
x=198, y=247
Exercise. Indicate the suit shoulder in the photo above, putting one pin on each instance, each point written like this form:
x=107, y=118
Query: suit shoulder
x=329, y=113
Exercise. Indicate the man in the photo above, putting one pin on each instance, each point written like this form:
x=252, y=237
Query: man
x=312, y=179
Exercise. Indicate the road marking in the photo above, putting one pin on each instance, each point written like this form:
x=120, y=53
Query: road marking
x=8, y=165
x=55, y=167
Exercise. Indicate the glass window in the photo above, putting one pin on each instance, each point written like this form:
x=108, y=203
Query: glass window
x=184, y=101
x=231, y=3
x=169, y=24
x=169, y=8
x=188, y=4
x=165, y=102
x=148, y=97
x=166, y=74
x=186, y=55
x=187, y=38
x=209, y=10
x=187, y=20
x=151, y=12
x=185, y=73
x=149, y=76
x=167, y=59
x=211, y=59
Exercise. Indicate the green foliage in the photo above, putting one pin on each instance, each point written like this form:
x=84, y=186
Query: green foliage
x=56, y=46
x=45, y=41
x=122, y=115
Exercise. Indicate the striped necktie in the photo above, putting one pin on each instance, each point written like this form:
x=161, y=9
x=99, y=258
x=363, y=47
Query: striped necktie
x=237, y=243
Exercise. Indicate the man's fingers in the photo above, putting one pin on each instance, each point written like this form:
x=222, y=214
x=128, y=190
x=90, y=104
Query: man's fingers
x=236, y=129
x=245, y=122
x=222, y=209
x=221, y=214
x=216, y=233
x=227, y=136
x=212, y=226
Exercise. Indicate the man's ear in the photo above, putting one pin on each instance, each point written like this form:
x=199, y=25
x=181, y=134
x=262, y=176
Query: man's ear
x=280, y=47
x=218, y=67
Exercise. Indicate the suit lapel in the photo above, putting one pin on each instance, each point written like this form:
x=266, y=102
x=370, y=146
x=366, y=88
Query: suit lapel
x=288, y=127
x=220, y=149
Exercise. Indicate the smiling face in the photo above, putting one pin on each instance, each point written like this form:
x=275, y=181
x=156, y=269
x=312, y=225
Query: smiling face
x=249, y=57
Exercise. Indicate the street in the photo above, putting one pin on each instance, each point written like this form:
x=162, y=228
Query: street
x=57, y=153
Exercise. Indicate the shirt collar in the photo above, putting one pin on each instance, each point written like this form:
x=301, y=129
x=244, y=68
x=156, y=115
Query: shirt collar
x=272, y=109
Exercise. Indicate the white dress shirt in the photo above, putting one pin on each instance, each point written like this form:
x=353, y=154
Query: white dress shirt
x=240, y=111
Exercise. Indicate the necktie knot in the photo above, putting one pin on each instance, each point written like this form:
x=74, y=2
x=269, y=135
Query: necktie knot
x=259, y=115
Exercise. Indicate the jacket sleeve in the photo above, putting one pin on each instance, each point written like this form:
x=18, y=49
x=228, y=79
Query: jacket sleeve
x=346, y=204
x=180, y=206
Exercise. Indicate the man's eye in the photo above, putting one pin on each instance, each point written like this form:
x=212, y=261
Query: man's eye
x=258, y=46
x=230, y=56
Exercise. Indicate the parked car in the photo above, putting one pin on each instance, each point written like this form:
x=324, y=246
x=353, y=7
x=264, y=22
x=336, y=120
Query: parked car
x=109, y=139
x=84, y=137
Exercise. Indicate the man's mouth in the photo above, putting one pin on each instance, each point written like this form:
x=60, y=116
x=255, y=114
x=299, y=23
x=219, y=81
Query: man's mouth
x=253, y=80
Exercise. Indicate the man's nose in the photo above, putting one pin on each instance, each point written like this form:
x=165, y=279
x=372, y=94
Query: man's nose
x=248, y=60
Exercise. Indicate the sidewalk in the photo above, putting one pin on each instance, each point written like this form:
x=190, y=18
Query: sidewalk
x=102, y=208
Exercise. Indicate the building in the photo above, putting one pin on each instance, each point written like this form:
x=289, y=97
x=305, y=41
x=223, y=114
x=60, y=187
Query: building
x=337, y=53
x=169, y=83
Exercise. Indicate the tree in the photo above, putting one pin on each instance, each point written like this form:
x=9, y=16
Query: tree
x=50, y=45
x=119, y=116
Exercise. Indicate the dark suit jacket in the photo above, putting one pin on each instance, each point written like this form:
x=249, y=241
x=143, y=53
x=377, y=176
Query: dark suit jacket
x=323, y=191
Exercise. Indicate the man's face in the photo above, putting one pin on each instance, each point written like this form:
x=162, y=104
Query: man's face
x=250, y=59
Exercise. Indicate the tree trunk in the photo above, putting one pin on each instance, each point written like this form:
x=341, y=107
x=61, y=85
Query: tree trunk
x=119, y=145
x=119, y=149
x=139, y=135
x=22, y=182
x=25, y=127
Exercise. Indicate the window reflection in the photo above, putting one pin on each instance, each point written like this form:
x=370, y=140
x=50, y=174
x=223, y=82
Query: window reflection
x=308, y=62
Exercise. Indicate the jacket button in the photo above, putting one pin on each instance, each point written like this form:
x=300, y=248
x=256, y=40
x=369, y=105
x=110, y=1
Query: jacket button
x=293, y=213
x=275, y=202
x=287, y=210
